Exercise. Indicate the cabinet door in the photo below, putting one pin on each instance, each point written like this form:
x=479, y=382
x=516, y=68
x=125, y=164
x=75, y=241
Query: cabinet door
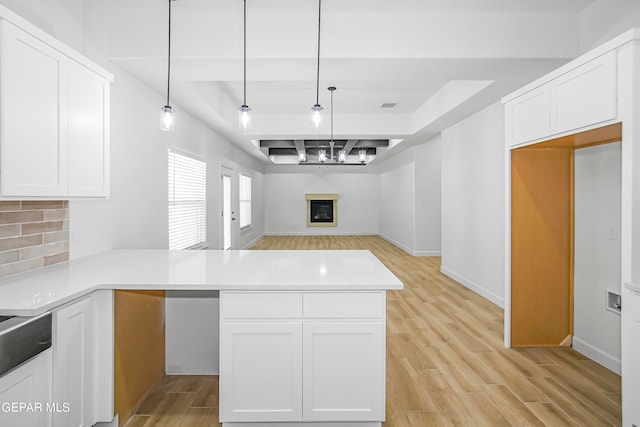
x=586, y=95
x=29, y=383
x=527, y=117
x=73, y=364
x=344, y=371
x=32, y=139
x=87, y=132
x=261, y=372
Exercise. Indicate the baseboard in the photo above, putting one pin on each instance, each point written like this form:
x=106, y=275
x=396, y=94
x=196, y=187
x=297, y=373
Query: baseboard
x=597, y=355
x=427, y=253
x=498, y=300
x=328, y=233
x=398, y=244
x=253, y=242
x=193, y=372
x=112, y=423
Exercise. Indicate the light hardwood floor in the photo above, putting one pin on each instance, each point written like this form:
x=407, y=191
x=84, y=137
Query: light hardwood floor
x=446, y=364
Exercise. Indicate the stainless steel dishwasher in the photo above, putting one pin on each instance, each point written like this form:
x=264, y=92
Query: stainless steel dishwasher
x=22, y=338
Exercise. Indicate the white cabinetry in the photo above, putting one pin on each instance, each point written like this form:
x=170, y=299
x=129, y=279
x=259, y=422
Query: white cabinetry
x=581, y=97
x=29, y=383
x=82, y=367
x=341, y=376
x=527, y=117
x=585, y=95
x=302, y=357
x=73, y=363
x=87, y=132
x=262, y=370
x=54, y=120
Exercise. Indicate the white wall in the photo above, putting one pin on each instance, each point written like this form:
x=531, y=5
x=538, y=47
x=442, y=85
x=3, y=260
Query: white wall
x=409, y=214
x=397, y=200
x=473, y=156
x=603, y=20
x=597, y=252
x=428, y=197
x=286, y=208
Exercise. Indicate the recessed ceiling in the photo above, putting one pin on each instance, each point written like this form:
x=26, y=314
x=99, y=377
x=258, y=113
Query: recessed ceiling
x=437, y=60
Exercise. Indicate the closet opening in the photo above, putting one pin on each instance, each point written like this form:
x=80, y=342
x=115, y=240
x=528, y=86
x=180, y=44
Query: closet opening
x=543, y=235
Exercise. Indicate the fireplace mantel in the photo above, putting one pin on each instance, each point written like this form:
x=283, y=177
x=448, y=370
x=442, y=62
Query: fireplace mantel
x=322, y=210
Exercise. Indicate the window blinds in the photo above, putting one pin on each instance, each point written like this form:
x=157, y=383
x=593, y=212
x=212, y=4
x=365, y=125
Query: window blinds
x=187, y=202
x=245, y=201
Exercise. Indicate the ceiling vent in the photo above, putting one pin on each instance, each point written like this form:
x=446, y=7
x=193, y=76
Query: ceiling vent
x=388, y=105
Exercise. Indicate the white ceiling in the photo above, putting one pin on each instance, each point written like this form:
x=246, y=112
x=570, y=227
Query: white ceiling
x=439, y=60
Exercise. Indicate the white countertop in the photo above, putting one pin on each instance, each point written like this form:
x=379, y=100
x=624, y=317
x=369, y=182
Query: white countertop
x=36, y=292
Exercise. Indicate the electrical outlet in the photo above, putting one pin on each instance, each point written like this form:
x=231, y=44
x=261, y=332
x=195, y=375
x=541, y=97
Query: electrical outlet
x=613, y=233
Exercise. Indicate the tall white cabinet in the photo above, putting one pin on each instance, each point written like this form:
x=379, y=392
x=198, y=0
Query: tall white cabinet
x=54, y=118
x=302, y=357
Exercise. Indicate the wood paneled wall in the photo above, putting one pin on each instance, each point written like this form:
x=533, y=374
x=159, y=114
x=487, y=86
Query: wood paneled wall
x=541, y=246
x=139, y=348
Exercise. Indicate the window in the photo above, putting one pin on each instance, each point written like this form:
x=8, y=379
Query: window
x=245, y=201
x=187, y=202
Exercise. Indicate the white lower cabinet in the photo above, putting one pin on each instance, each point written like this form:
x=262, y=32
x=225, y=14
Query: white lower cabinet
x=73, y=357
x=83, y=361
x=342, y=371
x=28, y=384
x=303, y=357
x=265, y=363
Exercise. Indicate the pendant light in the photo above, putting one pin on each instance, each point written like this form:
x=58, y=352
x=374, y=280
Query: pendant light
x=363, y=156
x=322, y=156
x=317, y=107
x=168, y=113
x=244, y=117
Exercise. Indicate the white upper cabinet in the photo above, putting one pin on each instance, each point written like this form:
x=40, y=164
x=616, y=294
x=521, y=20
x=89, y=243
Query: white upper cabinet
x=527, y=117
x=32, y=146
x=583, y=96
x=54, y=120
x=88, y=133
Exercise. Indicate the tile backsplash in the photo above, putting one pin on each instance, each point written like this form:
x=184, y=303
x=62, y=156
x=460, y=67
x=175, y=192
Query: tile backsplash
x=33, y=234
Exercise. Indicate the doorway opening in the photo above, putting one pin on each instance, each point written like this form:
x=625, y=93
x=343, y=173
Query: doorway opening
x=543, y=237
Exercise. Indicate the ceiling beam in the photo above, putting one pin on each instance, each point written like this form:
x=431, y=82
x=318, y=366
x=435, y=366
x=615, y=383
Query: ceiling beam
x=300, y=145
x=349, y=145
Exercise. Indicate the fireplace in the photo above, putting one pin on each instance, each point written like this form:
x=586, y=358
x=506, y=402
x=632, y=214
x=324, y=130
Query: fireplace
x=322, y=210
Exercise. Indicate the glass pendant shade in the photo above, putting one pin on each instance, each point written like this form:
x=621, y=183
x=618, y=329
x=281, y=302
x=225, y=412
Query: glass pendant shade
x=363, y=156
x=342, y=156
x=167, y=118
x=322, y=156
x=316, y=117
x=244, y=117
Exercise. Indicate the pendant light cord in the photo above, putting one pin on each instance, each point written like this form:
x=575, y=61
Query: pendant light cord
x=318, y=68
x=169, y=55
x=245, y=54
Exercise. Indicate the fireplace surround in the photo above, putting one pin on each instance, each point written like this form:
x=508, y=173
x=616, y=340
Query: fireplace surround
x=322, y=210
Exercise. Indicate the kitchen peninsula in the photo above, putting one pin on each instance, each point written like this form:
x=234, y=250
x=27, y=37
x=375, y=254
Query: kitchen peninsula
x=302, y=333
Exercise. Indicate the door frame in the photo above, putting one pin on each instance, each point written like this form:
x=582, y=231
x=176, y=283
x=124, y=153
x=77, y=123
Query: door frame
x=231, y=173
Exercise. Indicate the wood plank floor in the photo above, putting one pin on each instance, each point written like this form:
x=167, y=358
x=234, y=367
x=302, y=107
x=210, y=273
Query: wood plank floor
x=446, y=364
